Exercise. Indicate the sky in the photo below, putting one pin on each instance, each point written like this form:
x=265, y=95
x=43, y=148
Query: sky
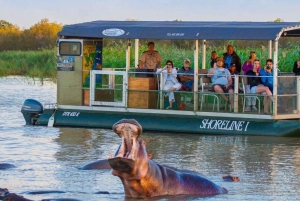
x=26, y=13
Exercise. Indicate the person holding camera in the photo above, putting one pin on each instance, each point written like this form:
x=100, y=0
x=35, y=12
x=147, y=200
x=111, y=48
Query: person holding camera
x=257, y=87
x=221, y=80
x=170, y=81
x=267, y=74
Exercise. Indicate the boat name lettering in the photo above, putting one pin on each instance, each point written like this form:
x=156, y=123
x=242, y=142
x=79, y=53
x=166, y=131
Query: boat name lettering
x=224, y=125
x=113, y=32
x=175, y=34
x=71, y=114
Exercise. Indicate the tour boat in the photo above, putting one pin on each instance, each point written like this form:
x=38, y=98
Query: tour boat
x=93, y=96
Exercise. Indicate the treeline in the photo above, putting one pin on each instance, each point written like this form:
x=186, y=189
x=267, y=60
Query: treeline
x=42, y=35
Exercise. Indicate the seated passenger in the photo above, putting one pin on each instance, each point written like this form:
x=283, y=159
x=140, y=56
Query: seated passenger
x=251, y=101
x=221, y=80
x=267, y=74
x=213, y=59
x=257, y=87
x=186, y=76
x=233, y=72
x=170, y=81
x=296, y=68
x=248, y=65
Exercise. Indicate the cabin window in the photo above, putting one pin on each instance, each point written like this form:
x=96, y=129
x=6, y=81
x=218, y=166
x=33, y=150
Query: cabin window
x=70, y=48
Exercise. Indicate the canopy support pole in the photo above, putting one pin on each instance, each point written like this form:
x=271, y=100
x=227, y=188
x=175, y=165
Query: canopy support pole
x=196, y=65
x=127, y=71
x=136, y=53
x=203, y=54
x=275, y=80
x=270, y=49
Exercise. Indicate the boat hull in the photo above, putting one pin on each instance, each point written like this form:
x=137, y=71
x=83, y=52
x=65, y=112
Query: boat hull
x=174, y=123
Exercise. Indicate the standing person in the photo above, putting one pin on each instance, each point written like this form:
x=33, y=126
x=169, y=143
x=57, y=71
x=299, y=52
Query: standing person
x=248, y=65
x=295, y=64
x=296, y=68
x=230, y=57
x=213, y=59
x=186, y=75
x=257, y=87
x=150, y=59
x=221, y=80
x=251, y=101
x=170, y=81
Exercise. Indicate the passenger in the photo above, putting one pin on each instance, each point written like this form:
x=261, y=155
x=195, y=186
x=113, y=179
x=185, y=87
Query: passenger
x=213, y=59
x=221, y=80
x=267, y=74
x=150, y=59
x=295, y=64
x=186, y=76
x=296, y=68
x=170, y=81
x=251, y=101
x=233, y=72
x=257, y=87
x=248, y=65
x=231, y=57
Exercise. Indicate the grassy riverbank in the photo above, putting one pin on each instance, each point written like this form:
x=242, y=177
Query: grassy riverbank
x=32, y=64
x=42, y=64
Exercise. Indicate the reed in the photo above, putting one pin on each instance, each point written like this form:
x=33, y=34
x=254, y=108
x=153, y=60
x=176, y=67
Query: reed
x=32, y=64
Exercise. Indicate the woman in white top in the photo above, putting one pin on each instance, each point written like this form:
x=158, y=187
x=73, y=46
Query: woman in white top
x=170, y=81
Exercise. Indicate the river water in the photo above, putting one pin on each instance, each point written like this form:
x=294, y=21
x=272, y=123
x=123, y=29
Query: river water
x=49, y=158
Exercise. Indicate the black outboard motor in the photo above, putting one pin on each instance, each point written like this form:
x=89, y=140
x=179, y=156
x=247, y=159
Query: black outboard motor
x=31, y=111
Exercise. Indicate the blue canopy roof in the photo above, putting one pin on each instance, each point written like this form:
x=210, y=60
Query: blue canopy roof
x=181, y=30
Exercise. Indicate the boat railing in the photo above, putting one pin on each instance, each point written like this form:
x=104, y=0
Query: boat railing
x=119, y=91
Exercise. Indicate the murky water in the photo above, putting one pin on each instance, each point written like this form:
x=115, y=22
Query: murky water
x=48, y=158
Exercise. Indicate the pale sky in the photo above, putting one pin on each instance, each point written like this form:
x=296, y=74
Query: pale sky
x=26, y=13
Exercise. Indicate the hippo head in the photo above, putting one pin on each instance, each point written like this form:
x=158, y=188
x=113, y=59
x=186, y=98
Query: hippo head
x=132, y=152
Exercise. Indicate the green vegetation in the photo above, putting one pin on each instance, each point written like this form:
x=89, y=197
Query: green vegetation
x=42, y=64
x=32, y=53
x=33, y=64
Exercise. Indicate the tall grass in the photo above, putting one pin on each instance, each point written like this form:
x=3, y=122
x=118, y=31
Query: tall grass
x=42, y=64
x=32, y=64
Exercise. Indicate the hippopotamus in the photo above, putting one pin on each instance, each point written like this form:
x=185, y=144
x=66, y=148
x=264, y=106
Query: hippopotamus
x=231, y=178
x=6, y=195
x=97, y=165
x=142, y=177
x=4, y=166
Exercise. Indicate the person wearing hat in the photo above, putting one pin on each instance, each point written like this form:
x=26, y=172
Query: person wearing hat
x=150, y=59
x=221, y=80
x=296, y=68
x=186, y=76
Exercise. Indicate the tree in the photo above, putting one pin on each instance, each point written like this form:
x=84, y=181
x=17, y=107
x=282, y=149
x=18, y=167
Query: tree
x=42, y=35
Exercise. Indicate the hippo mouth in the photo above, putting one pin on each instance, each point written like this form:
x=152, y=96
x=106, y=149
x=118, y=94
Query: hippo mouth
x=129, y=131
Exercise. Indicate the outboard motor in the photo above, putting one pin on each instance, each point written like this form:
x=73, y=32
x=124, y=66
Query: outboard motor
x=31, y=111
